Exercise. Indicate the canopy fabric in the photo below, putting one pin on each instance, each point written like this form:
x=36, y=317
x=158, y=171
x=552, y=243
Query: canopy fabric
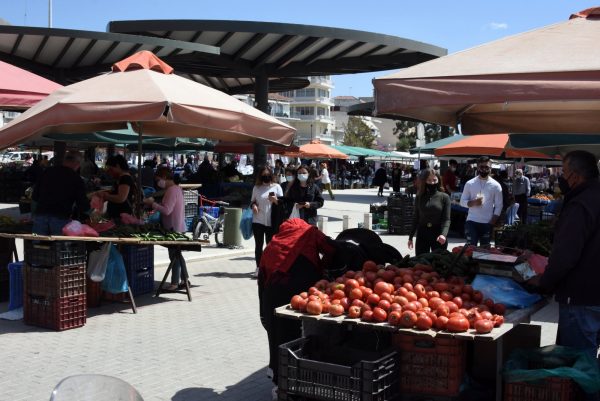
x=21, y=89
x=358, y=151
x=494, y=145
x=556, y=144
x=431, y=146
x=247, y=148
x=156, y=104
x=545, y=80
x=317, y=150
x=172, y=144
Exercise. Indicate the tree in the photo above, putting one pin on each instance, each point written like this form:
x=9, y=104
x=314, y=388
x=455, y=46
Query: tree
x=407, y=133
x=357, y=133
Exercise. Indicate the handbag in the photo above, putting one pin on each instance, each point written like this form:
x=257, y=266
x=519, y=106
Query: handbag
x=246, y=223
x=97, y=262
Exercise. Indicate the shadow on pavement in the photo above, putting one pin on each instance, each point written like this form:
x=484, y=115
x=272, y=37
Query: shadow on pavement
x=256, y=387
x=225, y=275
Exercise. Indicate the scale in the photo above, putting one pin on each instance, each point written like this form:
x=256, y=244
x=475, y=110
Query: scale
x=496, y=264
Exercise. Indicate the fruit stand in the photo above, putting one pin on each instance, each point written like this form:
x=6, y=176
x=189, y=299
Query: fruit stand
x=437, y=328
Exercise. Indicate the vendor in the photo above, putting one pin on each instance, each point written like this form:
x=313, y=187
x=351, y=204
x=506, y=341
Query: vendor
x=58, y=189
x=572, y=273
x=172, y=215
x=121, y=199
x=521, y=191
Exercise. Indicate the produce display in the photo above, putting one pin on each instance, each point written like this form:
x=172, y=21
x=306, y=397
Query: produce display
x=415, y=297
x=145, y=232
x=9, y=225
x=445, y=263
x=543, y=196
x=536, y=237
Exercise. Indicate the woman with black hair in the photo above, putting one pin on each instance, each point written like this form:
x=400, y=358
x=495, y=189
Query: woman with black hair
x=304, y=195
x=121, y=199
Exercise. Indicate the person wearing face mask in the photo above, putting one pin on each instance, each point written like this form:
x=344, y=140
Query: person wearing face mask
x=431, y=220
x=325, y=180
x=264, y=195
x=483, y=196
x=305, y=196
x=172, y=216
x=521, y=191
x=122, y=198
x=449, y=179
x=572, y=273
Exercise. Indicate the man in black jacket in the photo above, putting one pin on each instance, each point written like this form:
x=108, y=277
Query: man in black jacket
x=58, y=190
x=573, y=272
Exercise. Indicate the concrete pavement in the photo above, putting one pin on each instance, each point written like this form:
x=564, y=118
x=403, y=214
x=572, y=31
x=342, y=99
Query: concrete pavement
x=213, y=348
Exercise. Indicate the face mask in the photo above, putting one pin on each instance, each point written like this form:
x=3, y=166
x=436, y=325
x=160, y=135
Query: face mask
x=161, y=183
x=484, y=173
x=453, y=169
x=563, y=184
x=265, y=178
x=289, y=178
x=432, y=187
x=302, y=177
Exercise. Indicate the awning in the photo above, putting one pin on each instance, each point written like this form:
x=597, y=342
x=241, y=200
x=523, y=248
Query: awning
x=432, y=146
x=493, y=145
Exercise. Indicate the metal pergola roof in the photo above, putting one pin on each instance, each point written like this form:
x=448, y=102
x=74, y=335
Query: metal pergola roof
x=250, y=48
x=67, y=56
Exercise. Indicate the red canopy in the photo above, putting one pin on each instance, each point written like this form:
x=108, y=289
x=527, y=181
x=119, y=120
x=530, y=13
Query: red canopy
x=487, y=145
x=20, y=89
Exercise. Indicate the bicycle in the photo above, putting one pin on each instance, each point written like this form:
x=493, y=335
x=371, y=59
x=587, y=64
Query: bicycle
x=206, y=224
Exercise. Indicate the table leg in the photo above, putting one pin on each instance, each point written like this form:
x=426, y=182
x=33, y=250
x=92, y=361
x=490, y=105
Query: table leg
x=131, y=299
x=498, y=368
x=184, y=274
x=158, y=290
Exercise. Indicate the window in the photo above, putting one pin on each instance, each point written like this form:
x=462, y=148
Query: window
x=321, y=111
x=323, y=93
x=304, y=111
x=307, y=92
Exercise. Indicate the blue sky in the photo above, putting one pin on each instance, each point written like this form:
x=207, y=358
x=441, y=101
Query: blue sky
x=455, y=25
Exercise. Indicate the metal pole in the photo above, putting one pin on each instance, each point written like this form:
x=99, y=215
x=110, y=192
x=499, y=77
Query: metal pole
x=49, y=13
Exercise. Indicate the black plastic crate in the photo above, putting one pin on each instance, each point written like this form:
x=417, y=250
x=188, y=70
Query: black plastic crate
x=191, y=210
x=54, y=253
x=374, y=377
x=139, y=264
x=54, y=282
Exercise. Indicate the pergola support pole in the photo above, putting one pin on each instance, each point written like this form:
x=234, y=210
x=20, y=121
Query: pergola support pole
x=261, y=102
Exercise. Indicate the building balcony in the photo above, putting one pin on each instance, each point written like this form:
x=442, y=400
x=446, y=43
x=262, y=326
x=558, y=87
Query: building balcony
x=324, y=119
x=322, y=81
x=312, y=100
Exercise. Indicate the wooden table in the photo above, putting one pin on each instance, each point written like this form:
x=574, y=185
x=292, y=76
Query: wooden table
x=491, y=349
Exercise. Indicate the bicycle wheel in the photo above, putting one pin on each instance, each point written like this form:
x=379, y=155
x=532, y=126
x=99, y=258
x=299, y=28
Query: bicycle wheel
x=219, y=234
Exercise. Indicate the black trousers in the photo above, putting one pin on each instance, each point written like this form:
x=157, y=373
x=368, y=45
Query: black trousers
x=427, y=240
x=261, y=234
x=522, y=212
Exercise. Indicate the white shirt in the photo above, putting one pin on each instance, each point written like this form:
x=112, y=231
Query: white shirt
x=492, y=199
x=325, y=177
x=260, y=196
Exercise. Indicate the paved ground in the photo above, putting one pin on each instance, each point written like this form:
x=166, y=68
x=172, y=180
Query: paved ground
x=213, y=348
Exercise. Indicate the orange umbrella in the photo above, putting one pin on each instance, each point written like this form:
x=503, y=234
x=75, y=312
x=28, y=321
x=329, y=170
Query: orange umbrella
x=143, y=90
x=318, y=150
x=495, y=145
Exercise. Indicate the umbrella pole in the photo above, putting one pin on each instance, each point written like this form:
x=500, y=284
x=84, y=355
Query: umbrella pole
x=139, y=169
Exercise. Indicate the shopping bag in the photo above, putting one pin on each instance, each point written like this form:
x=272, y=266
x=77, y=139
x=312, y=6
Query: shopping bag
x=246, y=223
x=295, y=213
x=115, y=279
x=504, y=290
x=97, y=262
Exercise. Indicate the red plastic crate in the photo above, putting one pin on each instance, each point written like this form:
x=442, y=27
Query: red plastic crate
x=549, y=389
x=93, y=293
x=434, y=366
x=55, y=313
x=55, y=282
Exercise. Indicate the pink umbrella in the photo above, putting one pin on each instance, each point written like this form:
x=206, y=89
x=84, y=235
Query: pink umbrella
x=143, y=90
x=20, y=89
x=544, y=80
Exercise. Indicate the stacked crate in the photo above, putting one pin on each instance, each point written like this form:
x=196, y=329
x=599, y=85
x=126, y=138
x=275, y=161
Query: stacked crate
x=12, y=185
x=7, y=246
x=190, y=201
x=139, y=265
x=55, y=284
x=400, y=213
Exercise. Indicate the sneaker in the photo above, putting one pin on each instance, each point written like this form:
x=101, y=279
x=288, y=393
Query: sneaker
x=274, y=393
x=269, y=373
x=255, y=274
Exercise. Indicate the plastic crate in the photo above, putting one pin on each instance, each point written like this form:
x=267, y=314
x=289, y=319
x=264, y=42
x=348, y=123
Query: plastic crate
x=190, y=196
x=191, y=209
x=365, y=380
x=433, y=366
x=7, y=245
x=55, y=313
x=55, y=253
x=16, y=285
x=139, y=264
x=93, y=293
x=549, y=389
x=211, y=210
x=55, y=282
x=189, y=223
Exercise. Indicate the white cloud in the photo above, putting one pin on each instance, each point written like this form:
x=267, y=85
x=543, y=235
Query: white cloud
x=497, y=25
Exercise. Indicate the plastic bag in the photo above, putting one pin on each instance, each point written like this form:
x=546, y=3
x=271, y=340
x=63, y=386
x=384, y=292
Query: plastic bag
x=97, y=203
x=295, y=213
x=525, y=365
x=504, y=290
x=75, y=229
x=115, y=279
x=246, y=223
x=97, y=262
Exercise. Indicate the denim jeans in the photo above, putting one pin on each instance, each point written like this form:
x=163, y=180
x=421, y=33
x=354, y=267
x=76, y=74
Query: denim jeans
x=478, y=232
x=177, y=267
x=45, y=224
x=579, y=327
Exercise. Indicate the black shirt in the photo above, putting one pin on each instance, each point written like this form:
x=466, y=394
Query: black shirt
x=114, y=210
x=58, y=189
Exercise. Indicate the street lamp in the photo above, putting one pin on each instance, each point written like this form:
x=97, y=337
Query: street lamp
x=311, y=132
